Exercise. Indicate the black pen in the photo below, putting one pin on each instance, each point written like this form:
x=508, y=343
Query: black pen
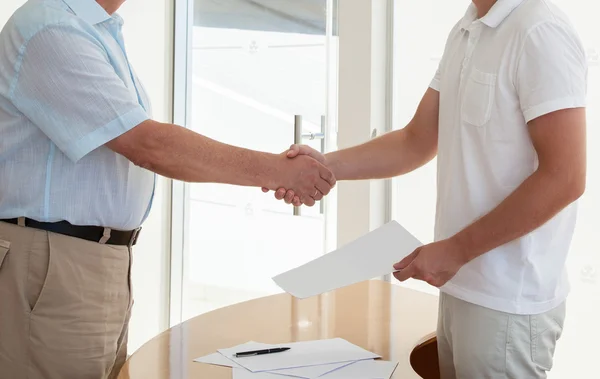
x=261, y=352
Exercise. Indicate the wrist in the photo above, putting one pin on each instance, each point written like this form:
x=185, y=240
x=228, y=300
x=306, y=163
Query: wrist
x=273, y=169
x=333, y=163
x=462, y=246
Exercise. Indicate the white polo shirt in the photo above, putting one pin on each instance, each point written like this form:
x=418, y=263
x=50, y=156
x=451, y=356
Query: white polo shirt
x=521, y=61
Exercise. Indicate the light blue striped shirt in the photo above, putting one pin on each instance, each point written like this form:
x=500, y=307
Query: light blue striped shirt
x=66, y=89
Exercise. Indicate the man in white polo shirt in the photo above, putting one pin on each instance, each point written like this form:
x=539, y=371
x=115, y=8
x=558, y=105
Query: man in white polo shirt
x=505, y=115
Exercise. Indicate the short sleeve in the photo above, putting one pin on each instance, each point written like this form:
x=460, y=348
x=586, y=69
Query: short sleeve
x=435, y=82
x=551, y=71
x=67, y=86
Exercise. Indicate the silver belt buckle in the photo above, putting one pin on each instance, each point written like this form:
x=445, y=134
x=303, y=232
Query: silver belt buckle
x=134, y=237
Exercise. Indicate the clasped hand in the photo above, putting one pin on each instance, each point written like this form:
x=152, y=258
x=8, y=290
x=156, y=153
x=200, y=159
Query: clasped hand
x=309, y=178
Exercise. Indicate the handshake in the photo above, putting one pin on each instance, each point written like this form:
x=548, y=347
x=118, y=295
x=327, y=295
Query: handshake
x=306, y=179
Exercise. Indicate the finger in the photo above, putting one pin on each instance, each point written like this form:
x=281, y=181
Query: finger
x=318, y=196
x=308, y=201
x=327, y=175
x=314, y=154
x=296, y=150
x=265, y=190
x=407, y=260
x=296, y=201
x=409, y=272
x=293, y=151
x=323, y=187
x=289, y=196
x=280, y=193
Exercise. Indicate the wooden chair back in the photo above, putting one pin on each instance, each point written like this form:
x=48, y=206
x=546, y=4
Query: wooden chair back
x=424, y=358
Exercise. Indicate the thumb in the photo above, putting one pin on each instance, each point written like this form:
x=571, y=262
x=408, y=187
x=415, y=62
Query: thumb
x=293, y=151
x=296, y=150
x=407, y=260
x=409, y=272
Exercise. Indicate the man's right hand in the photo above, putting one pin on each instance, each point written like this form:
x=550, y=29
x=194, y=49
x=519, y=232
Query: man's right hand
x=287, y=193
x=305, y=179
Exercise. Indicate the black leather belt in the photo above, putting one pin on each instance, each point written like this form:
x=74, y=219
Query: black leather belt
x=89, y=233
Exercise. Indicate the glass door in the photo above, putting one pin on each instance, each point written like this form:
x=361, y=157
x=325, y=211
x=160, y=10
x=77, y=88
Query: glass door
x=258, y=74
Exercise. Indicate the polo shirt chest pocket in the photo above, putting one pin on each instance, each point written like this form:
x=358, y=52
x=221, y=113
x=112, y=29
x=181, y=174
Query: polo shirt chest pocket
x=478, y=98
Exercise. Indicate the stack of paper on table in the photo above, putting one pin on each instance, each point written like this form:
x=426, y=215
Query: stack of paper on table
x=327, y=359
x=372, y=255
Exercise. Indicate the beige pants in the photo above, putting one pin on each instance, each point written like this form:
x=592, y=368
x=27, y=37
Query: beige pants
x=480, y=343
x=64, y=306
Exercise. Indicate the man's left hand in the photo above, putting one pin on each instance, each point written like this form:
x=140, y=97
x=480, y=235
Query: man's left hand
x=435, y=263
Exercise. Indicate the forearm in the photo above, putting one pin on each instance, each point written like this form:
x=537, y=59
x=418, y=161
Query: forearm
x=182, y=154
x=395, y=153
x=535, y=202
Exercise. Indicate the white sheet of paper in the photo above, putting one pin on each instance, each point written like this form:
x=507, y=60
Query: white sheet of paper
x=369, y=369
x=301, y=355
x=372, y=255
x=217, y=360
x=309, y=372
x=242, y=373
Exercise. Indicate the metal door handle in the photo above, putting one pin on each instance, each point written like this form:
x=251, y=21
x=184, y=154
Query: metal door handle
x=297, y=141
x=299, y=136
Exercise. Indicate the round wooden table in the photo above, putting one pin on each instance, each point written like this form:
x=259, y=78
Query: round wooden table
x=384, y=318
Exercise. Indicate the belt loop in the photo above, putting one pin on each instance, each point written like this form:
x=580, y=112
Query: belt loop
x=105, y=236
x=21, y=221
x=134, y=237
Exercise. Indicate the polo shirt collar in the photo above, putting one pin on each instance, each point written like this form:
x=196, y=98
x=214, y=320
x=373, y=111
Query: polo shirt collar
x=89, y=10
x=498, y=13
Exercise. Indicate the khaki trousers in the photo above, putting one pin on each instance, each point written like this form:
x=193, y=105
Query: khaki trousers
x=65, y=305
x=479, y=343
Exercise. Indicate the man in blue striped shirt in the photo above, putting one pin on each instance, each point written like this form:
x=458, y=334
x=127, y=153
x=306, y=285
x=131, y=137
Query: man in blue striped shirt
x=78, y=156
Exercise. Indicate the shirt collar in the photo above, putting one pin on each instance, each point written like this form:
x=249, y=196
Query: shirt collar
x=498, y=13
x=89, y=10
